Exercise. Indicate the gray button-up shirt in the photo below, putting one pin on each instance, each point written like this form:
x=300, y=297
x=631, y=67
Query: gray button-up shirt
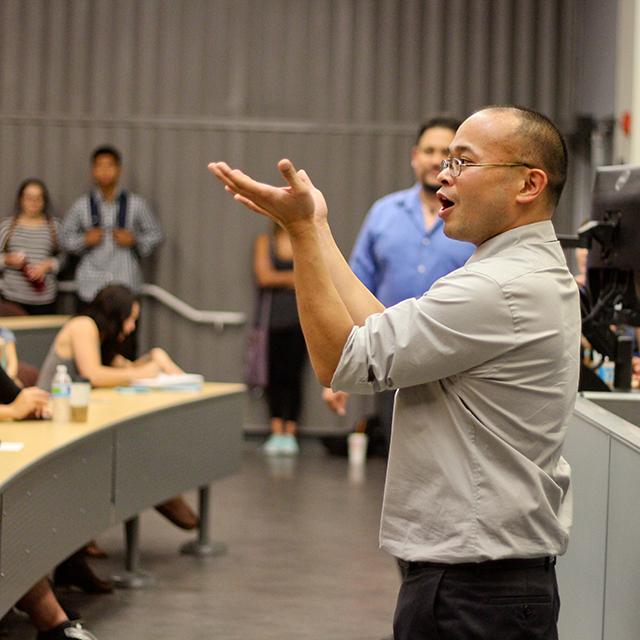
x=487, y=365
x=108, y=262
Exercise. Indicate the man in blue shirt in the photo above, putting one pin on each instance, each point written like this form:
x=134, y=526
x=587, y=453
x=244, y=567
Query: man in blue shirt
x=401, y=249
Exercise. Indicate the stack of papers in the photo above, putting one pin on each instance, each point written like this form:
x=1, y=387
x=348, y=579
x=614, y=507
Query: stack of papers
x=166, y=382
x=11, y=446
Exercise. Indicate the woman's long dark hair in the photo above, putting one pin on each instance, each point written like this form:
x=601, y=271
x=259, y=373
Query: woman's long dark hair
x=46, y=206
x=46, y=211
x=109, y=309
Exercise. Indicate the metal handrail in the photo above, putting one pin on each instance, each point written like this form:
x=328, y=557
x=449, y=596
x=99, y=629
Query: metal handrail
x=219, y=319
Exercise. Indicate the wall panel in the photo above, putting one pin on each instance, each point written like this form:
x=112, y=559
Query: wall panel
x=339, y=85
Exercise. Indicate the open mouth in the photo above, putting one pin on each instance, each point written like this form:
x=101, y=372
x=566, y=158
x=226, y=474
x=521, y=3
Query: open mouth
x=445, y=202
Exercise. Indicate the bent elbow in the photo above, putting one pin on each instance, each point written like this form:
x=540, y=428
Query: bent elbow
x=324, y=375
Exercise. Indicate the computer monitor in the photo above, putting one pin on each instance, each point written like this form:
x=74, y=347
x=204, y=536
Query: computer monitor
x=613, y=263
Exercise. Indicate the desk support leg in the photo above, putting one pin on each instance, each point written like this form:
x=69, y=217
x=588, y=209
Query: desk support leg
x=132, y=577
x=203, y=547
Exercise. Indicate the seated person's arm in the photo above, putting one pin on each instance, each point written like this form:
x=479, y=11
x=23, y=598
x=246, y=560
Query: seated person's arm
x=16, y=403
x=85, y=343
x=157, y=355
x=12, y=360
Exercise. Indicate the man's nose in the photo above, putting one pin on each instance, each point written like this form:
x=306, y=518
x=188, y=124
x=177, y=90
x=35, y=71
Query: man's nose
x=444, y=176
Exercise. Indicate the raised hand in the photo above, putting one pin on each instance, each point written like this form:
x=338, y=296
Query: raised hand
x=298, y=202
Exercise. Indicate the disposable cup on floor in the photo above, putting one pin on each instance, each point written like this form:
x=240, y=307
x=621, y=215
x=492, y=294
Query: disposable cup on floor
x=357, y=447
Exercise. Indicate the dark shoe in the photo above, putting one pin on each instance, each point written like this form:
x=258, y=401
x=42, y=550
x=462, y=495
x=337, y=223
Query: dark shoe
x=75, y=572
x=66, y=631
x=179, y=512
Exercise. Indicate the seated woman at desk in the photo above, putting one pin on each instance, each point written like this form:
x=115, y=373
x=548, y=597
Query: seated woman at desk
x=30, y=253
x=89, y=346
x=39, y=603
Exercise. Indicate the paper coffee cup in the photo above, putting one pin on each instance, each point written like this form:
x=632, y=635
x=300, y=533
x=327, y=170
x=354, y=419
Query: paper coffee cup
x=357, y=443
x=79, y=401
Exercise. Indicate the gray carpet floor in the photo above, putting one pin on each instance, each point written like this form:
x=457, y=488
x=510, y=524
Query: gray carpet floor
x=302, y=562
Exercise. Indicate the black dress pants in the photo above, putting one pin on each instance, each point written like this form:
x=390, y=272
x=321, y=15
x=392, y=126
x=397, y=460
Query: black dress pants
x=499, y=600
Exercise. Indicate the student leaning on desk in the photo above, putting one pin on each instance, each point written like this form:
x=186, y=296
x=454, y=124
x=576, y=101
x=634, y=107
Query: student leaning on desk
x=89, y=345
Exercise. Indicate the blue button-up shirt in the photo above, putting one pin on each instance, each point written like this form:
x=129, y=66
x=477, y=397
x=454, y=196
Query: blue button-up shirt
x=396, y=257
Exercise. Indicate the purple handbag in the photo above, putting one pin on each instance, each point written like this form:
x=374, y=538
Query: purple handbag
x=256, y=363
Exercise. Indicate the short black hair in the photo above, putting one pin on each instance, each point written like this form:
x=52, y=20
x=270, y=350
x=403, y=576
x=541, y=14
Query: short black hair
x=542, y=145
x=106, y=150
x=442, y=121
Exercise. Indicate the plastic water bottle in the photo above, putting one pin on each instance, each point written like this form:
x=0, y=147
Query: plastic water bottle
x=61, y=395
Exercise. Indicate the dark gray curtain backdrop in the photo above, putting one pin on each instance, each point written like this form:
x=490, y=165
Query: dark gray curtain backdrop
x=337, y=85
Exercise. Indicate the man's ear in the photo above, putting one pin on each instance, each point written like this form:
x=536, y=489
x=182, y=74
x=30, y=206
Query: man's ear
x=534, y=184
x=414, y=152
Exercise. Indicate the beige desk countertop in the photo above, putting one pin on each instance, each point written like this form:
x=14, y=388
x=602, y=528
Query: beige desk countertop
x=107, y=407
x=17, y=323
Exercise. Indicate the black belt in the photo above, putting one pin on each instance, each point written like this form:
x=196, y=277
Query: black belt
x=487, y=565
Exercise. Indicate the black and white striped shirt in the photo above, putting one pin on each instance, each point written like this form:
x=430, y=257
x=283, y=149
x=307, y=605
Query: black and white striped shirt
x=38, y=244
x=108, y=262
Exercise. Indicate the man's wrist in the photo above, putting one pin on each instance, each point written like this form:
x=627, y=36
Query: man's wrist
x=301, y=229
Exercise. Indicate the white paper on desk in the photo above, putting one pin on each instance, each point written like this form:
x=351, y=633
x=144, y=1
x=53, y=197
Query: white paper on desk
x=168, y=381
x=11, y=446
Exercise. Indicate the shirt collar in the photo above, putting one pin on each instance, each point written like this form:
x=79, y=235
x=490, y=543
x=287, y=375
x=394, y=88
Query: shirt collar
x=412, y=204
x=97, y=194
x=536, y=233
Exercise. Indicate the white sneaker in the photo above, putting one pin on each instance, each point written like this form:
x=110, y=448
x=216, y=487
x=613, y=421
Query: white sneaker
x=289, y=445
x=72, y=630
x=273, y=445
x=77, y=632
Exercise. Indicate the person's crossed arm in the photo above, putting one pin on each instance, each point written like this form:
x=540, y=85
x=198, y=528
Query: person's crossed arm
x=330, y=297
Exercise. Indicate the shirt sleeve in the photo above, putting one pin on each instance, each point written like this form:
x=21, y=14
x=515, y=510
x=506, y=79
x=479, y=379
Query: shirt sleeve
x=73, y=228
x=7, y=335
x=462, y=322
x=362, y=259
x=4, y=230
x=146, y=228
x=59, y=259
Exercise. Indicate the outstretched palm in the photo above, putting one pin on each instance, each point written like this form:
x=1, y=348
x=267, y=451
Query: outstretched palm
x=299, y=201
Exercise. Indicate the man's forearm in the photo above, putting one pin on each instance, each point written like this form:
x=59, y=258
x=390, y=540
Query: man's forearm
x=325, y=319
x=360, y=302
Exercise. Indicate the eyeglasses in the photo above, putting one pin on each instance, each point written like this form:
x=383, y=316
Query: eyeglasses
x=455, y=165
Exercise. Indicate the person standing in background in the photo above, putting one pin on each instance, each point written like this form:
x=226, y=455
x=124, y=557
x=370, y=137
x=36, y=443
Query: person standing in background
x=31, y=254
x=110, y=230
x=401, y=249
x=273, y=269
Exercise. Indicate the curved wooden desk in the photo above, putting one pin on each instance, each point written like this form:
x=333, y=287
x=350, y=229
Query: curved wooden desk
x=70, y=482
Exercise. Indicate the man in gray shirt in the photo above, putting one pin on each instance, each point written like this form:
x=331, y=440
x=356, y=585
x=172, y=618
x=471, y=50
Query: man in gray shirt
x=477, y=500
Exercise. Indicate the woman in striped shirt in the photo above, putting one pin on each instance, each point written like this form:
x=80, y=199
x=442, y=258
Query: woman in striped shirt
x=30, y=251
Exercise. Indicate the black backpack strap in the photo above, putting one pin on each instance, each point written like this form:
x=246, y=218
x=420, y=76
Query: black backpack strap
x=95, y=211
x=122, y=210
x=96, y=218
